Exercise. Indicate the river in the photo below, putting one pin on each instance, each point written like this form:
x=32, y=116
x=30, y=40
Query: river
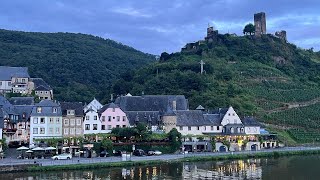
x=294, y=167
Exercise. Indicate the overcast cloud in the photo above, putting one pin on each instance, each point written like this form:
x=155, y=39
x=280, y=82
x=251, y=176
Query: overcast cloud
x=154, y=26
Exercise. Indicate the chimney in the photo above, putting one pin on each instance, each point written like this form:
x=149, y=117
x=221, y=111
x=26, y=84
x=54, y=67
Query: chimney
x=174, y=105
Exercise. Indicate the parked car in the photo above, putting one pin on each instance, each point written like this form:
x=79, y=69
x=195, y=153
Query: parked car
x=62, y=156
x=104, y=154
x=157, y=152
x=150, y=153
x=118, y=153
x=139, y=152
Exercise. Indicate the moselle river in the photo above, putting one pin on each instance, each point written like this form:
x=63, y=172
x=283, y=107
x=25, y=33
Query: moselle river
x=294, y=167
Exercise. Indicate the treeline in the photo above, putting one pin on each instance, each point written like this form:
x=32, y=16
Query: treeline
x=78, y=66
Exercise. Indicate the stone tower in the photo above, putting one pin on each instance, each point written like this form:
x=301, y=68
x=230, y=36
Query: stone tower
x=260, y=23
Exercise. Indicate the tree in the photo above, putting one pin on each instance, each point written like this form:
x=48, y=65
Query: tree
x=107, y=145
x=249, y=29
x=175, y=139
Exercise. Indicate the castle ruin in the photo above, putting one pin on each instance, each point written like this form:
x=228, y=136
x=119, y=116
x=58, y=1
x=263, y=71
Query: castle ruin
x=260, y=23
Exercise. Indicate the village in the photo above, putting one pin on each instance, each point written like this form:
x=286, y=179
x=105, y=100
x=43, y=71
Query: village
x=129, y=123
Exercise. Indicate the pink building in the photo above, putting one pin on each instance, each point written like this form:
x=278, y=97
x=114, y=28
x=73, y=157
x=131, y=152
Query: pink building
x=111, y=116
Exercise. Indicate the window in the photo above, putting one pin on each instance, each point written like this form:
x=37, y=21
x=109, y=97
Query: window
x=42, y=121
x=109, y=118
x=57, y=130
x=211, y=128
x=232, y=130
x=124, y=118
x=23, y=80
x=124, y=126
x=66, y=131
x=218, y=127
x=78, y=131
x=57, y=120
x=118, y=118
x=95, y=127
x=54, y=110
x=87, y=118
x=72, y=122
x=113, y=109
x=35, y=130
x=103, y=118
x=109, y=127
x=39, y=109
x=181, y=128
x=9, y=83
x=72, y=131
x=103, y=127
x=50, y=120
x=229, y=114
x=42, y=131
x=87, y=127
x=118, y=126
x=66, y=122
x=70, y=112
x=205, y=128
x=242, y=130
x=189, y=128
x=35, y=120
x=238, y=130
x=198, y=127
x=95, y=117
x=78, y=122
x=50, y=130
x=233, y=114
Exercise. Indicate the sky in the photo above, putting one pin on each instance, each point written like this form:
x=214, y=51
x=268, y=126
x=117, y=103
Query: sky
x=155, y=26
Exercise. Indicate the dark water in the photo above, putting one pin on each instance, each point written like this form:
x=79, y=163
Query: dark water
x=295, y=167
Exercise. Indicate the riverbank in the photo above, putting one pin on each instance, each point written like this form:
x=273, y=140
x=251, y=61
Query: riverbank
x=193, y=158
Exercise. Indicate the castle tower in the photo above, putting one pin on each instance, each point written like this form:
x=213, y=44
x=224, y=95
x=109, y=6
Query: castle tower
x=260, y=23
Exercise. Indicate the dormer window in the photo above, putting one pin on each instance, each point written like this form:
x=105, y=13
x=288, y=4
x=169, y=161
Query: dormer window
x=54, y=110
x=39, y=109
x=70, y=112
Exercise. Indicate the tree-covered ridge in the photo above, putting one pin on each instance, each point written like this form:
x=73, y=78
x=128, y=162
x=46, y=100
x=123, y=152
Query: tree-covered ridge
x=255, y=75
x=77, y=66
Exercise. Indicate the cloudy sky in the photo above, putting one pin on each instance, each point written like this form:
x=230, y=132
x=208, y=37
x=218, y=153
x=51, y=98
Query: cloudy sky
x=154, y=26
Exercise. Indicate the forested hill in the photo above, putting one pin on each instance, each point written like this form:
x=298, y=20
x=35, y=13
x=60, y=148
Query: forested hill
x=78, y=66
x=265, y=77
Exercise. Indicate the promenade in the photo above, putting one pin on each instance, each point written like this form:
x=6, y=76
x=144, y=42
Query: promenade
x=165, y=157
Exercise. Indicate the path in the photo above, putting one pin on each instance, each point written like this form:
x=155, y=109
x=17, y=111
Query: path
x=166, y=157
x=295, y=105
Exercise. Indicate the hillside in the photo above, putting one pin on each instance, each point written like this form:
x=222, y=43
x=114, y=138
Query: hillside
x=265, y=77
x=78, y=66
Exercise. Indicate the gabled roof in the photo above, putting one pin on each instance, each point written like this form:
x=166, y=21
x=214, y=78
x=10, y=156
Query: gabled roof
x=47, y=107
x=107, y=106
x=215, y=119
x=152, y=103
x=22, y=100
x=146, y=117
x=77, y=106
x=40, y=85
x=200, y=108
x=250, y=121
x=191, y=118
x=6, y=73
x=24, y=112
x=6, y=105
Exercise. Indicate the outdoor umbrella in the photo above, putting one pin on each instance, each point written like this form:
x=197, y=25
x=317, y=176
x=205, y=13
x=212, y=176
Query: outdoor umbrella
x=22, y=148
x=38, y=149
x=29, y=151
x=50, y=148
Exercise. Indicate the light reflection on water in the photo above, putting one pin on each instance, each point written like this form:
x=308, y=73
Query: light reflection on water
x=282, y=168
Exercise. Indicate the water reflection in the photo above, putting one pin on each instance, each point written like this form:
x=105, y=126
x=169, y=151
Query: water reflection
x=282, y=168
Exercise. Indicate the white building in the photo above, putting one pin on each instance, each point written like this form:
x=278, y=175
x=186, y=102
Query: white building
x=14, y=79
x=94, y=104
x=91, y=123
x=45, y=121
